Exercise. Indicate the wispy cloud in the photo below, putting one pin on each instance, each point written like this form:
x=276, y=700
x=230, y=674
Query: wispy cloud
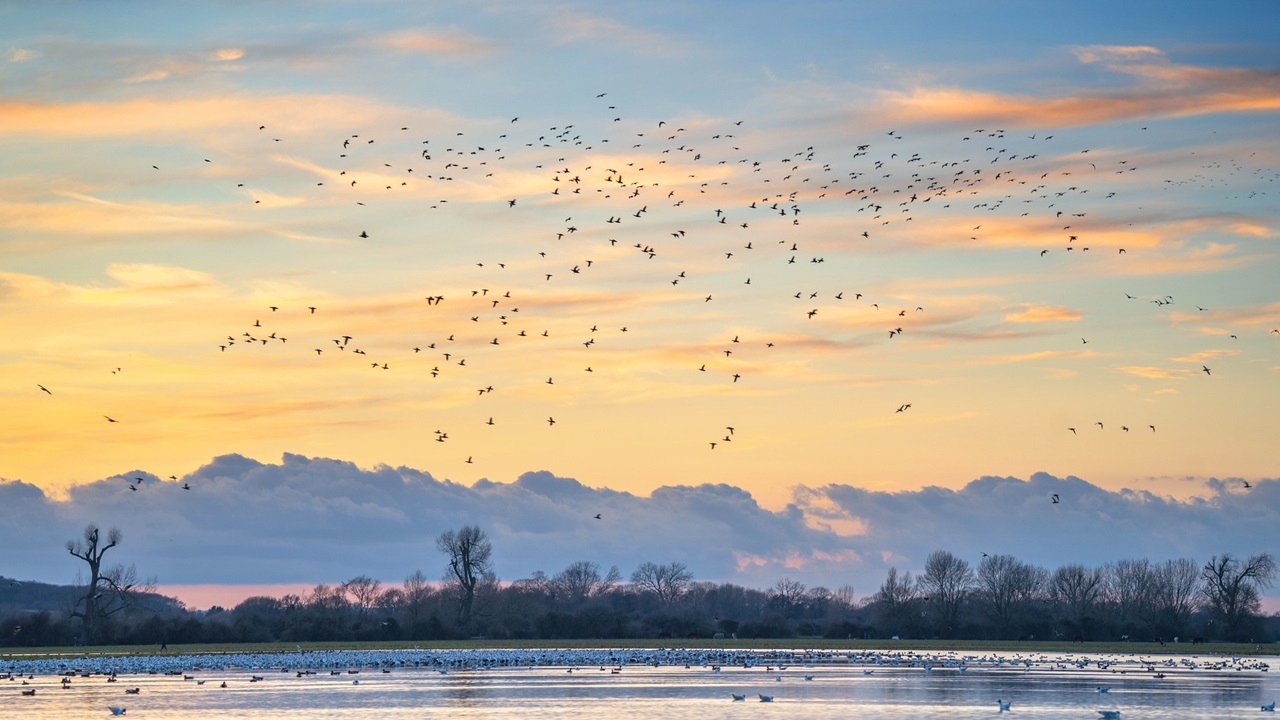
x=17, y=55
x=436, y=42
x=1042, y=313
x=1162, y=88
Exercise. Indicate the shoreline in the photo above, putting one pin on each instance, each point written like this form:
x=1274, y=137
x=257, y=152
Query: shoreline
x=9, y=655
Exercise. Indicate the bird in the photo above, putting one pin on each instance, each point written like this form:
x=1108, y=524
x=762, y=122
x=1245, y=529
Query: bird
x=1003, y=705
x=116, y=710
x=1109, y=714
x=765, y=698
x=110, y=419
x=1205, y=369
x=738, y=698
x=1055, y=498
x=44, y=389
x=1270, y=707
x=597, y=516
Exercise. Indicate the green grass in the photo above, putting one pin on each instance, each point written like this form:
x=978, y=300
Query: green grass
x=958, y=646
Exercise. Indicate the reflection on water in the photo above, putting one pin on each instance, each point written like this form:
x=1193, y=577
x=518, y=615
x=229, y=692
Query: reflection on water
x=1050, y=687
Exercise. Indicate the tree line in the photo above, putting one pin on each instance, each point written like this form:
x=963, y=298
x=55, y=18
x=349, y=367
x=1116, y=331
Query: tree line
x=1000, y=597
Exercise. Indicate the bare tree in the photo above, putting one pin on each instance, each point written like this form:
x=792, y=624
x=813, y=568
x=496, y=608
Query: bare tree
x=1008, y=585
x=1232, y=589
x=1077, y=590
x=391, y=601
x=1176, y=593
x=364, y=591
x=844, y=597
x=416, y=593
x=895, y=601
x=110, y=589
x=946, y=582
x=470, y=565
x=787, y=595
x=668, y=582
x=581, y=581
x=1130, y=587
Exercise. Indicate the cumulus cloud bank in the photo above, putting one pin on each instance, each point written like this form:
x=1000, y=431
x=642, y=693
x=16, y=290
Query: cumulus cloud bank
x=312, y=520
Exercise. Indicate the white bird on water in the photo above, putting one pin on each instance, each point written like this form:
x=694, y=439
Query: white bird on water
x=1269, y=708
x=116, y=710
x=737, y=697
x=766, y=698
x=1004, y=705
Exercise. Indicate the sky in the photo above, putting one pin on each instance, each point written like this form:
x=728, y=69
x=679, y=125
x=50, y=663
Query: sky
x=804, y=293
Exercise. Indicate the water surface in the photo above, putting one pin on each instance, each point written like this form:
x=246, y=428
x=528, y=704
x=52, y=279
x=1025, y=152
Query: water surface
x=365, y=686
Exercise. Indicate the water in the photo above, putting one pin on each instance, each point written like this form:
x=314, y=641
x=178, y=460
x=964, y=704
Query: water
x=830, y=685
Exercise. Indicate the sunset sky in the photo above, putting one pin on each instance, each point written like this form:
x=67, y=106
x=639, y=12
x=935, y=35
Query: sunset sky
x=808, y=289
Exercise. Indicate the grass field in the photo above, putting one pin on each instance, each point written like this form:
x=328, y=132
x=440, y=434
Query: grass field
x=958, y=646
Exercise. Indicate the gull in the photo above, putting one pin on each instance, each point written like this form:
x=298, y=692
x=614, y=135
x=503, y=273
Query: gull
x=1269, y=708
x=44, y=389
x=765, y=698
x=1003, y=705
x=115, y=710
x=1109, y=714
x=739, y=698
x=1055, y=502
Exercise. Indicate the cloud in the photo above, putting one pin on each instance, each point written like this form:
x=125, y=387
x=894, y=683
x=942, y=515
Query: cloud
x=573, y=26
x=1151, y=373
x=149, y=76
x=1249, y=229
x=1159, y=88
x=1042, y=313
x=309, y=520
x=427, y=42
x=155, y=116
x=1119, y=54
x=73, y=215
x=17, y=55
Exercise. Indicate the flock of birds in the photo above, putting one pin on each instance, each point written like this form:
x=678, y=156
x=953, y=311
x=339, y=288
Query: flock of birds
x=841, y=666
x=680, y=215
